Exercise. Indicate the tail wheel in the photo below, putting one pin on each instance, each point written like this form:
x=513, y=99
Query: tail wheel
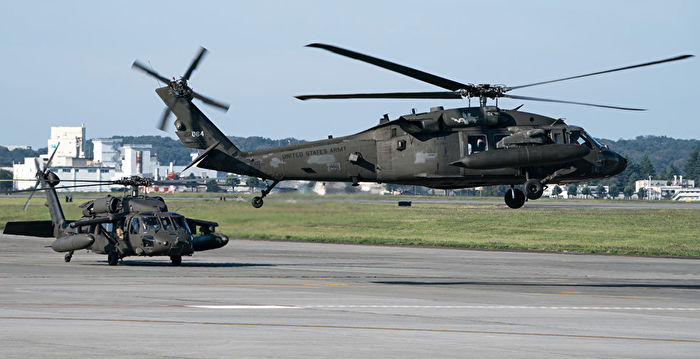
x=514, y=198
x=533, y=189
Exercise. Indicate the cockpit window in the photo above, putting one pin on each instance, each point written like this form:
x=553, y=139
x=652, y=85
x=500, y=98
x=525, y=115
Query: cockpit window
x=577, y=137
x=180, y=222
x=165, y=222
x=476, y=143
x=150, y=224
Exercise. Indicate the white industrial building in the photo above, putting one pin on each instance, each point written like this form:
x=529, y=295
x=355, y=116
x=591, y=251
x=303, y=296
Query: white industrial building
x=111, y=160
x=678, y=189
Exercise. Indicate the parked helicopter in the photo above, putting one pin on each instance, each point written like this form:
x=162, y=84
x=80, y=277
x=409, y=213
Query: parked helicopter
x=132, y=225
x=445, y=149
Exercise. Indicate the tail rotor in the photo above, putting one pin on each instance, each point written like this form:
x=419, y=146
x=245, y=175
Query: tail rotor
x=179, y=88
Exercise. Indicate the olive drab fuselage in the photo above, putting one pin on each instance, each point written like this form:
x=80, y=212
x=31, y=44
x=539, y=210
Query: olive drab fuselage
x=134, y=225
x=446, y=149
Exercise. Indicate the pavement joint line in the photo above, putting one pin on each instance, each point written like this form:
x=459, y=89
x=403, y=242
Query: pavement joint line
x=321, y=326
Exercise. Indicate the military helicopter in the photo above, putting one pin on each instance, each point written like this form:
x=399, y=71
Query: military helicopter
x=132, y=225
x=444, y=149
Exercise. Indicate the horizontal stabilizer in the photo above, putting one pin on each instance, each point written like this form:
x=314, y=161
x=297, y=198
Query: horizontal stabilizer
x=30, y=228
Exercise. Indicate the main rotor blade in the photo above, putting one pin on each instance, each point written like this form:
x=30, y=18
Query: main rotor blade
x=48, y=188
x=404, y=70
x=209, y=101
x=407, y=95
x=195, y=62
x=571, y=102
x=139, y=66
x=682, y=57
x=63, y=180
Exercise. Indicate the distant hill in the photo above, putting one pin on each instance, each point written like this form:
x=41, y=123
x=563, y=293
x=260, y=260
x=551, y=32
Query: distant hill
x=661, y=150
x=8, y=157
x=171, y=150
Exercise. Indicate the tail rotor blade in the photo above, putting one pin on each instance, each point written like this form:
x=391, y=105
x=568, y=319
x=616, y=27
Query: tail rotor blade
x=31, y=194
x=139, y=66
x=48, y=164
x=195, y=62
x=166, y=113
x=164, y=119
x=209, y=101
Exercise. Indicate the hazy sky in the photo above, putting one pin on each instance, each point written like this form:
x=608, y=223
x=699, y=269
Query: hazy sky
x=67, y=63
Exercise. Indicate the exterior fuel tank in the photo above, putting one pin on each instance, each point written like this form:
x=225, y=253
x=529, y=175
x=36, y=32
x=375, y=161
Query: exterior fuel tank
x=209, y=241
x=523, y=156
x=73, y=243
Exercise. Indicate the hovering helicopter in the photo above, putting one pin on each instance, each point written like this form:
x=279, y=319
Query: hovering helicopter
x=132, y=225
x=444, y=149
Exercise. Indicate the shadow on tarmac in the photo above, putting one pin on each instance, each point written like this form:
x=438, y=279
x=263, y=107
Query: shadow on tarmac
x=515, y=284
x=131, y=263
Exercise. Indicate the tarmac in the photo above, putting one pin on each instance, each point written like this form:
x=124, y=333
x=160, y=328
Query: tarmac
x=273, y=299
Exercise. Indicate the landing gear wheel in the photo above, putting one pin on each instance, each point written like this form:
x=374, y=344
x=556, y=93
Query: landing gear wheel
x=258, y=201
x=112, y=258
x=68, y=257
x=533, y=189
x=176, y=260
x=514, y=198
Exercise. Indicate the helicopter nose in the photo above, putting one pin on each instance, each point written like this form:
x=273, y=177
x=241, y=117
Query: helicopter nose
x=615, y=163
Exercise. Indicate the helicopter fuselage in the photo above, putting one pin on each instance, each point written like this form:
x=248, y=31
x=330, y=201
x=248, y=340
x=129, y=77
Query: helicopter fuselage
x=450, y=149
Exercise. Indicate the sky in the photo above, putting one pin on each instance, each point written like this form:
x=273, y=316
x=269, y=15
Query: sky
x=69, y=62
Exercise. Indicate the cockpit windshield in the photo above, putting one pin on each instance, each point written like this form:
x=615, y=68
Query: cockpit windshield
x=592, y=139
x=150, y=224
x=180, y=222
x=584, y=139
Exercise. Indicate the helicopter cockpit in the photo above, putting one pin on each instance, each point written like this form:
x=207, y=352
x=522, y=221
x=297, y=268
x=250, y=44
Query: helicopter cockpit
x=582, y=138
x=155, y=222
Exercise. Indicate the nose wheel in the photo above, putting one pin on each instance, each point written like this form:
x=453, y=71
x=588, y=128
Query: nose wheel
x=514, y=198
x=176, y=260
x=257, y=202
x=113, y=258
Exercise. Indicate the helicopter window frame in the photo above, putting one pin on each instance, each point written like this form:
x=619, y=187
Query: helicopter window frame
x=150, y=224
x=166, y=224
x=497, y=137
x=180, y=221
x=590, y=138
x=134, y=225
x=472, y=140
x=557, y=136
x=401, y=145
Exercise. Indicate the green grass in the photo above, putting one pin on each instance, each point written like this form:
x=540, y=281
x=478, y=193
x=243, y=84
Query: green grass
x=634, y=232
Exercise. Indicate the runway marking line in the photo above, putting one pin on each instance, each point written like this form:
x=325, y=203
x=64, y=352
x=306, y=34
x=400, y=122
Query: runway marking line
x=319, y=326
x=361, y=306
x=578, y=294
